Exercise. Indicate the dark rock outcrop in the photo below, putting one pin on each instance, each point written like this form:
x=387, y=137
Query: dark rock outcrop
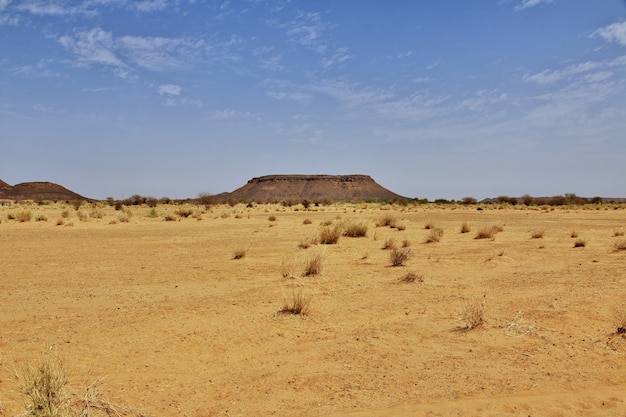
x=37, y=191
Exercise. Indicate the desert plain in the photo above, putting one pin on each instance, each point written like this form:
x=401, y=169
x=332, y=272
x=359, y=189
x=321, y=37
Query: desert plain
x=169, y=321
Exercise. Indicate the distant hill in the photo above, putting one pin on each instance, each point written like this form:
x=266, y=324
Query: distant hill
x=314, y=188
x=37, y=191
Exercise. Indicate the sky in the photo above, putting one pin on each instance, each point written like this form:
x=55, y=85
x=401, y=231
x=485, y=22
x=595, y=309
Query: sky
x=432, y=99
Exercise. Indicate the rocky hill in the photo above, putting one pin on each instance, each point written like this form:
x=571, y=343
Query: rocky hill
x=37, y=191
x=314, y=188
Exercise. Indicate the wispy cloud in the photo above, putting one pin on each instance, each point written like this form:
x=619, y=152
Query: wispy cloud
x=549, y=76
x=94, y=46
x=526, y=4
x=99, y=47
x=307, y=29
x=229, y=114
x=169, y=90
x=339, y=57
x=615, y=32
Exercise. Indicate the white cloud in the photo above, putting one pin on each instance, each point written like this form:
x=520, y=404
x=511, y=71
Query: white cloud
x=307, y=29
x=4, y=4
x=339, y=57
x=526, y=4
x=615, y=32
x=169, y=90
x=94, y=46
x=482, y=99
x=227, y=114
x=551, y=76
x=150, y=5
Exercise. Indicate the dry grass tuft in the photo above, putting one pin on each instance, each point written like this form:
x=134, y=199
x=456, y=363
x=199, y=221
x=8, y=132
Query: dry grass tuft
x=580, y=243
x=434, y=236
x=411, y=277
x=537, y=234
x=620, y=246
x=356, y=229
x=314, y=264
x=399, y=256
x=429, y=225
x=620, y=321
x=43, y=386
x=574, y=234
x=465, y=228
x=472, y=314
x=390, y=243
x=388, y=220
x=307, y=221
x=23, y=216
x=329, y=235
x=272, y=218
x=306, y=242
x=617, y=233
x=296, y=303
x=488, y=232
x=406, y=243
x=241, y=252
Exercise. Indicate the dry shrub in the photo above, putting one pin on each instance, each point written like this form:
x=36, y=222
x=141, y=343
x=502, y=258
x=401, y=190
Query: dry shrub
x=387, y=220
x=122, y=218
x=169, y=218
x=620, y=321
x=44, y=389
x=329, y=235
x=272, y=218
x=406, y=243
x=574, y=234
x=356, y=229
x=43, y=386
x=65, y=214
x=434, y=235
x=580, y=243
x=306, y=242
x=465, y=228
x=488, y=232
x=399, y=256
x=241, y=252
x=23, y=216
x=41, y=218
x=307, y=221
x=429, y=225
x=314, y=264
x=390, y=243
x=620, y=246
x=472, y=314
x=296, y=303
x=95, y=214
x=411, y=276
x=60, y=222
x=617, y=233
x=288, y=267
x=537, y=234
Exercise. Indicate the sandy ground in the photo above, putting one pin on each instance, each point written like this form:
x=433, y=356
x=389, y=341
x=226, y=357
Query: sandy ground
x=180, y=328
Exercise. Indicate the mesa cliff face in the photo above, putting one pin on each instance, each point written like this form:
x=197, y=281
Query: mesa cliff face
x=37, y=191
x=279, y=188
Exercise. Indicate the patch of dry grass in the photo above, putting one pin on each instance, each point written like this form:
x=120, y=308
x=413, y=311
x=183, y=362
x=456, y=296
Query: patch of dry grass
x=411, y=277
x=241, y=251
x=620, y=246
x=329, y=235
x=389, y=243
x=537, y=234
x=296, y=303
x=434, y=236
x=465, y=228
x=355, y=229
x=488, y=232
x=314, y=264
x=472, y=313
x=580, y=243
x=398, y=256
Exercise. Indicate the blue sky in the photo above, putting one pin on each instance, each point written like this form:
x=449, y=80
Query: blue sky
x=433, y=99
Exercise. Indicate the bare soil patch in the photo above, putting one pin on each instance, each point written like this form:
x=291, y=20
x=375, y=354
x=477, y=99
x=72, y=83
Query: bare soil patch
x=181, y=328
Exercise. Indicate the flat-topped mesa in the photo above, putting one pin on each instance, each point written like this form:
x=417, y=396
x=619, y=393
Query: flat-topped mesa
x=313, y=188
